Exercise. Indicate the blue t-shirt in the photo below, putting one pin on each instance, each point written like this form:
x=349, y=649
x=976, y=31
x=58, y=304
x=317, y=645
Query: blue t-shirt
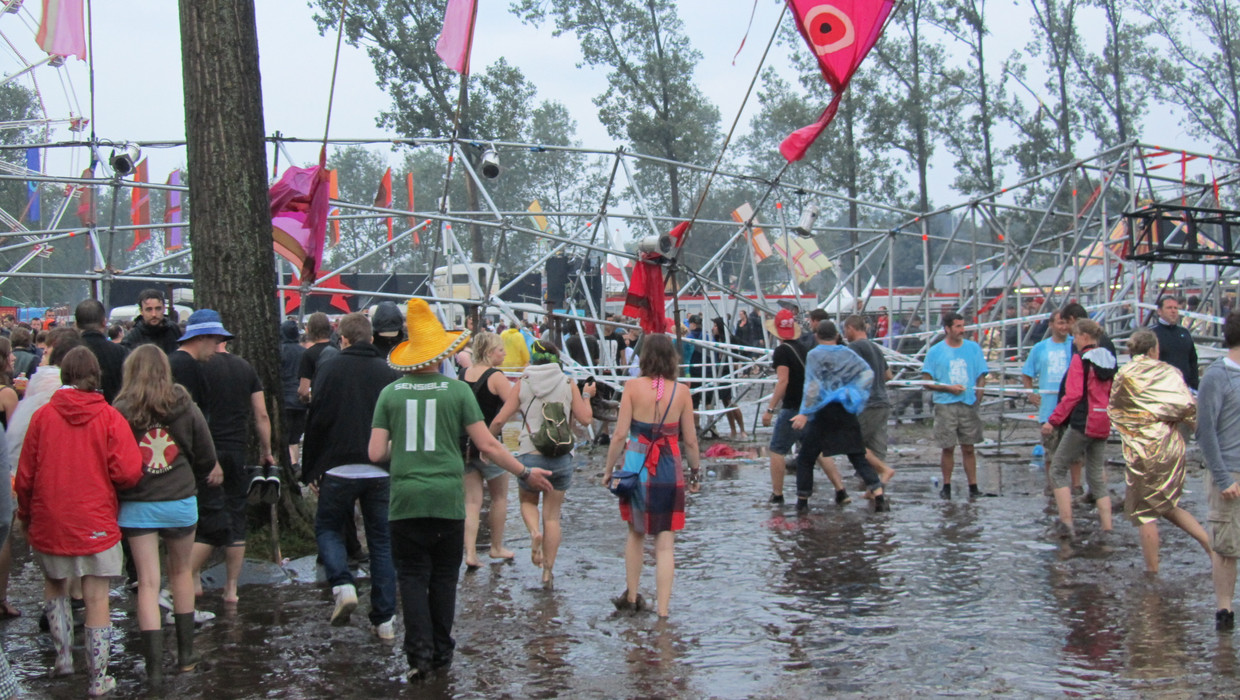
x=1048, y=362
x=962, y=365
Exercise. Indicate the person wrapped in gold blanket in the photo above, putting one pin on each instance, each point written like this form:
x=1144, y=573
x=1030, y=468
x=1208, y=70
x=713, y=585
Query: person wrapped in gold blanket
x=1152, y=409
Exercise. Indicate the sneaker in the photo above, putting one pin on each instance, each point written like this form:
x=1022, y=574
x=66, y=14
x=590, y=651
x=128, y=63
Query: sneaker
x=346, y=603
x=417, y=674
x=270, y=493
x=386, y=630
x=842, y=498
x=165, y=599
x=945, y=493
x=1224, y=620
x=201, y=617
x=777, y=499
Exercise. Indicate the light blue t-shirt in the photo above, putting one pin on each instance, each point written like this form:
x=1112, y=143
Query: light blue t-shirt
x=1048, y=362
x=962, y=365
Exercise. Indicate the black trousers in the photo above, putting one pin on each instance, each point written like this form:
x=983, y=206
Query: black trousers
x=428, y=554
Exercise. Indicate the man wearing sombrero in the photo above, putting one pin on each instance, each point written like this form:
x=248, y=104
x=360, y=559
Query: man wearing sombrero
x=417, y=425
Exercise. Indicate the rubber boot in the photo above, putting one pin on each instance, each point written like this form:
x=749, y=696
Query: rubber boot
x=153, y=651
x=186, y=658
x=60, y=625
x=98, y=641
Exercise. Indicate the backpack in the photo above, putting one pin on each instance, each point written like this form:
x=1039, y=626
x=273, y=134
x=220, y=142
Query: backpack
x=554, y=438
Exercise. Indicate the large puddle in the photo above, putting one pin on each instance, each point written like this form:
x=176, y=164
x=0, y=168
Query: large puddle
x=933, y=598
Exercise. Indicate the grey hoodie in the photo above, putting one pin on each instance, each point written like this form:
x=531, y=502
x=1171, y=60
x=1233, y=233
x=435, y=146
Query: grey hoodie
x=541, y=384
x=1218, y=421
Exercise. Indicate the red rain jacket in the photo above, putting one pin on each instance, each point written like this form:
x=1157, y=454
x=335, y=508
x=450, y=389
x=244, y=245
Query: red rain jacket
x=1087, y=392
x=78, y=452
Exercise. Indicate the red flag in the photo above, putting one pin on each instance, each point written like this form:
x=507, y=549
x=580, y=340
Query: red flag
x=140, y=207
x=333, y=192
x=383, y=198
x=841, y=33
x=86, y=201
x=457, y=35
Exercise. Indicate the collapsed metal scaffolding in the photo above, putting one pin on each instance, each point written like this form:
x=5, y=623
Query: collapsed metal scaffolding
x=1059, y=236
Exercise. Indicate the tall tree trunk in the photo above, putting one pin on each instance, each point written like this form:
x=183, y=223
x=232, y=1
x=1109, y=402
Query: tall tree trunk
x=234, y=269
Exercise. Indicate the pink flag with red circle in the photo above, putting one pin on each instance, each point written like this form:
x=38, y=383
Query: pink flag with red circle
x=841, y=34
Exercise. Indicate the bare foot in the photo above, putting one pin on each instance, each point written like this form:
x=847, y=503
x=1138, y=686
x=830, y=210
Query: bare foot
x=887, y=475
x=547, y=578
x=230, y=598
x=502, y=553
x=472, y=562
x=536, y=550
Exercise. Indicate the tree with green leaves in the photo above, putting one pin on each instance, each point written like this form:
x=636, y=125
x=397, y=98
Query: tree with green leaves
x=1111, y=95
x=910, y=109
x=399, y=38
x=1200, y=67
x=652, y=101
x=973, y=95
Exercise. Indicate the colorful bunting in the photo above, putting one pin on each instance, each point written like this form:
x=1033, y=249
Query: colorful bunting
x=755, y=234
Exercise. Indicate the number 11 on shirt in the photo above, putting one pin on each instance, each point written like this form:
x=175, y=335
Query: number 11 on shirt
x=428, y=425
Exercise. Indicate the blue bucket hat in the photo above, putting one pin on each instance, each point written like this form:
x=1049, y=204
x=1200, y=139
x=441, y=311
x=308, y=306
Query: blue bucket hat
x=204, y=322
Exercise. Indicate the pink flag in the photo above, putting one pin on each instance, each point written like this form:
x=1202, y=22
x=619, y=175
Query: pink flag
x=299, y=207
x=457, y=35
x=172, y=214
x=61, y=29
x=841, y=33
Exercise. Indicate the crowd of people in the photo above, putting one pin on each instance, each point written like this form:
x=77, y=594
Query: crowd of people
x=144, y=437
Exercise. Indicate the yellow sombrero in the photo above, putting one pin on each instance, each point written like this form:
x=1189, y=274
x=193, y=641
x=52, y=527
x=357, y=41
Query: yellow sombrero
x=428, y=342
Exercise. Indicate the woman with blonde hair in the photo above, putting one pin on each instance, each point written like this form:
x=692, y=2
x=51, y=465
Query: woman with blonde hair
x=491, y=389
x=177, y=452
x=541, y=384
x=656, y=416
x=1151, y=407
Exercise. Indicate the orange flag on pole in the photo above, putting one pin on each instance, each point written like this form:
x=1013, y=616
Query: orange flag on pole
x=384, y=198
x=140, y=207
x=333, y=192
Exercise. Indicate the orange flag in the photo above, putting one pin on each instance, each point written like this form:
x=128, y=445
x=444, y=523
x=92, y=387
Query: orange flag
x=384, y=197
x=333, y=192
x=140, y=207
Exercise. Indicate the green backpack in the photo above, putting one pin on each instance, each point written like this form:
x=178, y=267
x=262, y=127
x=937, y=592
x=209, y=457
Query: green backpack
x=554, y=438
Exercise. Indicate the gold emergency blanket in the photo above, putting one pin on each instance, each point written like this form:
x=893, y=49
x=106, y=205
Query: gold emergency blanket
x=1150, y=407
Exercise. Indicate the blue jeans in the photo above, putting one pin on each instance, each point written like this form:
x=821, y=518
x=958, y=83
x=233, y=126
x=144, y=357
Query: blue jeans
x=335, y=513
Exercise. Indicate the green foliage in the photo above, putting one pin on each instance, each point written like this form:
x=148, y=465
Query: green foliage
x=651, y=101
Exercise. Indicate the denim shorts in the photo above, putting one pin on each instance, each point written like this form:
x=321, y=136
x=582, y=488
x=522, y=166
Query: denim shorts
x=784, y=436
x=561, y=469
x=486, y=469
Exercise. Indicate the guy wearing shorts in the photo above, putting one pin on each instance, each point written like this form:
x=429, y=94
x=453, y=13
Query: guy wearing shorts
x=878, y=409
x=956, y=370
x=1218, y=435
x=789, y=363
x=1047, y=364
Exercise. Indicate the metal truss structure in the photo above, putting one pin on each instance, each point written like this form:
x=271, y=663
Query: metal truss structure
x=1108, y=231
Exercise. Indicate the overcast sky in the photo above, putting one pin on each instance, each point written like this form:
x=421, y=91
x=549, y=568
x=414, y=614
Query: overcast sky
x=138, y=72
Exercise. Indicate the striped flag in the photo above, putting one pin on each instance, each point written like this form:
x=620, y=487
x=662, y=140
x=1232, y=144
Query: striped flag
x=757, y=237
x=536, y=218
x=61, y=30
x=140, y=207
x=804, y=256
x=172, y=214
